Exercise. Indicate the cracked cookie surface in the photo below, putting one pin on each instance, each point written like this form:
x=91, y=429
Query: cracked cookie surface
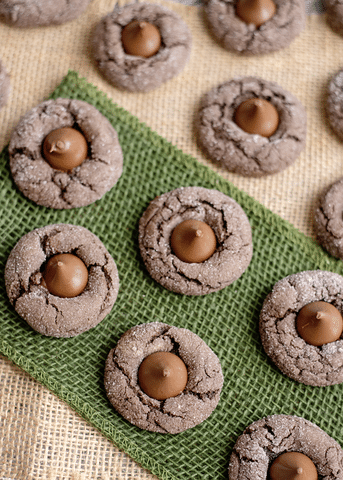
x=241, y=152
x=4, y=85
x=135, y=73
x=277, y=33
x=34, y=13
x=46, y=313
x=264, y=440
x=86, y=183
x=305, y=363
x=176, y=414
x=334, y=103
x=334, y=10
x=231, y=228
x=328, y=219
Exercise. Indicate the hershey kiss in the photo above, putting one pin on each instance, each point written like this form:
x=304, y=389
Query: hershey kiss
x=256, y=12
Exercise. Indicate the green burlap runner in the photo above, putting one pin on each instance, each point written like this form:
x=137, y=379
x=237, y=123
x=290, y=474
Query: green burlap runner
x=227, y=320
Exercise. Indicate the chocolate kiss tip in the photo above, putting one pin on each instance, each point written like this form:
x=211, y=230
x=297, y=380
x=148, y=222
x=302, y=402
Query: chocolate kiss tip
x=299, y=470
x=166, y=372
x=60, y=264
x=321, y=316
x=198, y=233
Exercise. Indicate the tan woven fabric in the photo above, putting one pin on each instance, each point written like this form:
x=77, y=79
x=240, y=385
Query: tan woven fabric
x=41, y=437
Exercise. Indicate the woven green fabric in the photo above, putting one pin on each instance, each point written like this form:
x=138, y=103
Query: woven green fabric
x=227, y=320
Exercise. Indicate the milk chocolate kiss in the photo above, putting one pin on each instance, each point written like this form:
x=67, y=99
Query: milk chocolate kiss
x=65, y=148
x=162, y=375
x=141, y=38
x=257, y=12
x=293, y=466
x=65, y=275
x=257, y=116
x=319, y=323
x=193, y=241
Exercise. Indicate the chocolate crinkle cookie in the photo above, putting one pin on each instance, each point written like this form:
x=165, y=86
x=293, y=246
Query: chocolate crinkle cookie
x=133, y=71
x=35, y=13
x=328, y=220
x=50, y=314
x=238, y=150
x=233, y=249
x=174, y=414
x=313, y=365
x=245, y=37
x=265, y=440
x=334, y=103
x=334, y=10
x=54, y=187
x=4, y=85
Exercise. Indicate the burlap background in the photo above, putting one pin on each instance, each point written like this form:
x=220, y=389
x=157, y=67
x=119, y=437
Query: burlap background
x=41, y=437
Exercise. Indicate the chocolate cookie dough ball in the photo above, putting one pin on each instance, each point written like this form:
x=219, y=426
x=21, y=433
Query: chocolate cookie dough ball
x=162, y=378
x=65, y=154
x=285, y=447
x=334, y=15
x=140, y=46
x=194, y=240
x=4, y=85
x=61, y=280
x=255, y=27
x=35, y=13
x=251, y=126
x=301, y=327
x=328, y=219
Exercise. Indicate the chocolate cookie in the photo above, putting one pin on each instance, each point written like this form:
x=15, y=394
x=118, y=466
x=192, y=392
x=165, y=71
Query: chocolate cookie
x=265, y=440
x=334, y=10
x=245, y=37
x=313, y=365
x=328, y=221
x=334, y=103
x=34, y=13
x=174, y=414
x=133, y=71
x=238, y=150
x=229, y=223
x=26, y=280
x=65, y=186
x=4, y=85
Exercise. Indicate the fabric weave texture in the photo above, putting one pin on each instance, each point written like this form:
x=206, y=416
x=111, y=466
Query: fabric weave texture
x=227, y=320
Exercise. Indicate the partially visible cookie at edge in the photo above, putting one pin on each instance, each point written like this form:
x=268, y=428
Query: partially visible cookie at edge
x=136, y=73
x=242, y=152
x=229, y=224
x=235, y=34
x=36, y=13
x=49, y=314
x=264, y=440
x=4, y=85
x=334, y=103
x=334, y=15
x=175, y=414
x=328, y=219
x=305, y=363
x=84, y=184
